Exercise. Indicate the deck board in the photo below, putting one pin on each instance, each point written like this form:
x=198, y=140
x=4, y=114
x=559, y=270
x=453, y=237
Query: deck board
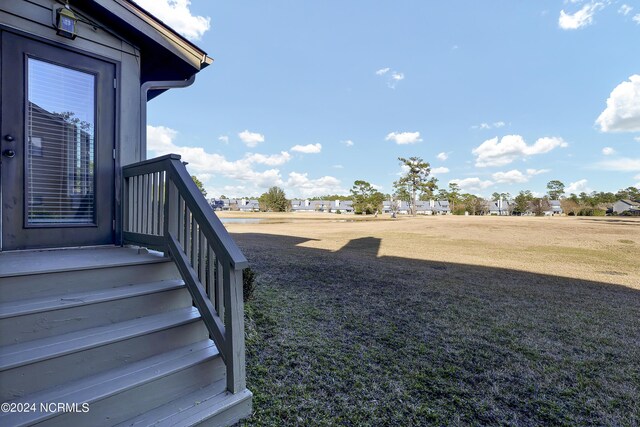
x=20, y=263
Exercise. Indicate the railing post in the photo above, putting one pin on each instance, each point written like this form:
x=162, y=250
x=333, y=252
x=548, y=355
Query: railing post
x=234, y=329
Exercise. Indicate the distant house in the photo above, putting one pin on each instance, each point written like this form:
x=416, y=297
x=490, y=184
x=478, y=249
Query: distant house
x=547, y=208
x=626, y=205
x=441, y=207
x=247, y=205
x=301, y=206
x=423, y=207
x=221, y=204
x=554, y=208
x=344, y=206
x=500, y=207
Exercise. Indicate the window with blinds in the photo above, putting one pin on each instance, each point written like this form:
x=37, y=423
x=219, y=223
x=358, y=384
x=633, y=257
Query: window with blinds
x=60, y=155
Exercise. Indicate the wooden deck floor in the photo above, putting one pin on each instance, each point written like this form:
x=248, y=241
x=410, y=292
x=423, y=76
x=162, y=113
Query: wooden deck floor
x=17, y=263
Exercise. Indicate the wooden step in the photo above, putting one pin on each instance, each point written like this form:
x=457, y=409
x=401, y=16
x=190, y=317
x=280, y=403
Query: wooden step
x=24, y=274
x=39, y=364
x=26, y=320
x=120, y=394
x=29, y=262
x=207, y=406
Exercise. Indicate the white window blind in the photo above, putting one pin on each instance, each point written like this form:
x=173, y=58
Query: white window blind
x=60, y=145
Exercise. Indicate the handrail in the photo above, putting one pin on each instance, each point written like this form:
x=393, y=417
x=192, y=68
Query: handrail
x=165, y=210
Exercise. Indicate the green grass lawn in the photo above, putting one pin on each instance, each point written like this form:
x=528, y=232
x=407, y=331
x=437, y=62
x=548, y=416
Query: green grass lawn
x=345, y=338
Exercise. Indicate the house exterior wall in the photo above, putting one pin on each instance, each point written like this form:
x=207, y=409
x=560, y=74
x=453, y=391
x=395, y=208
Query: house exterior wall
x=35, y=17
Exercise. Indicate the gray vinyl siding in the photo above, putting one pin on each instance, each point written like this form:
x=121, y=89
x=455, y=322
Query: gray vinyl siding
x=36, y=17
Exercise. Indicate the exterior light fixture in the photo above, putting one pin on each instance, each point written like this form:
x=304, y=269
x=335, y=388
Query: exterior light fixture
x=66, y=23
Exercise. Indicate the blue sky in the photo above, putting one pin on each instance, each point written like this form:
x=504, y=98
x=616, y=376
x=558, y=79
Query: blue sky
x=495, y=95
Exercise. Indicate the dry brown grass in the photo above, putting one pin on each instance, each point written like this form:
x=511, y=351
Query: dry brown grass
x=443, y=320
x=600, y=249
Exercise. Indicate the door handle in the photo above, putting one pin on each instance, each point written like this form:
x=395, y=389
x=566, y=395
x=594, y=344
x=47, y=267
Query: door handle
x=9, y=153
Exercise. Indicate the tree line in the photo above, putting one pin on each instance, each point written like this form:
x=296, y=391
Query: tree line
x=416, y=184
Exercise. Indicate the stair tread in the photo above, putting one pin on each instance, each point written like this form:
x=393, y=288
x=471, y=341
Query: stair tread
x=58, y=302
x=103, y=385
x=190, y=409
x=41, y=349
x=20, y=263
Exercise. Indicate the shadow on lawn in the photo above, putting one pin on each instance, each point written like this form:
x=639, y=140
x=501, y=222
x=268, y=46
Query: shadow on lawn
x=350, y=338
x=614, y=221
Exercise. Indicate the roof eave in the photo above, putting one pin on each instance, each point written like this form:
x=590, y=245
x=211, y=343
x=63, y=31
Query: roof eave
x=145, y=29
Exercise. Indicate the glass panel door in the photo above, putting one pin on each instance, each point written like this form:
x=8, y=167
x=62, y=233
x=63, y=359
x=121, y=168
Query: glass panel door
x=57, y=170
x=60, y=145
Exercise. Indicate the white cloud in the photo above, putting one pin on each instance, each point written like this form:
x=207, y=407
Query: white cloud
x=397, y=76
x=607, y=151
x=469, y=185
x=338, y=167
x=269, y=160
x=251, y=139
x=510, y=177
x=623, y=108
x=486, y=126
x=392, y=76
x=625, y=9
x=637, y=138
x=176, y=14
x=443, y=156
x=623, y=164
x=160, y=138
x=577, y=187
x=348, y=143
x=636, y=18
x=532, y=172
x=224, y=139
x=499, y=153
x=439, y=171
x=300, y=185
x=579, y=19
x=403, y=170
x=307, y=149
x=402, y=138
x=160, y=141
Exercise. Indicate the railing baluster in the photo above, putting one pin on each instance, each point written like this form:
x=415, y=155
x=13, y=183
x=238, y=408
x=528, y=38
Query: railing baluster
x=140, y=207
x=194, y=242
x=219, y=290
x=129, y=213
x=145, y=204
x=171, y=209
x=202, y=257
x=134, y=187
x=153, y=203
x=187, y=232
x=181, y=221
x=162, y=185
x=211, y=271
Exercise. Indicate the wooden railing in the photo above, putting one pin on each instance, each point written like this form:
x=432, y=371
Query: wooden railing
x=164, y=210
